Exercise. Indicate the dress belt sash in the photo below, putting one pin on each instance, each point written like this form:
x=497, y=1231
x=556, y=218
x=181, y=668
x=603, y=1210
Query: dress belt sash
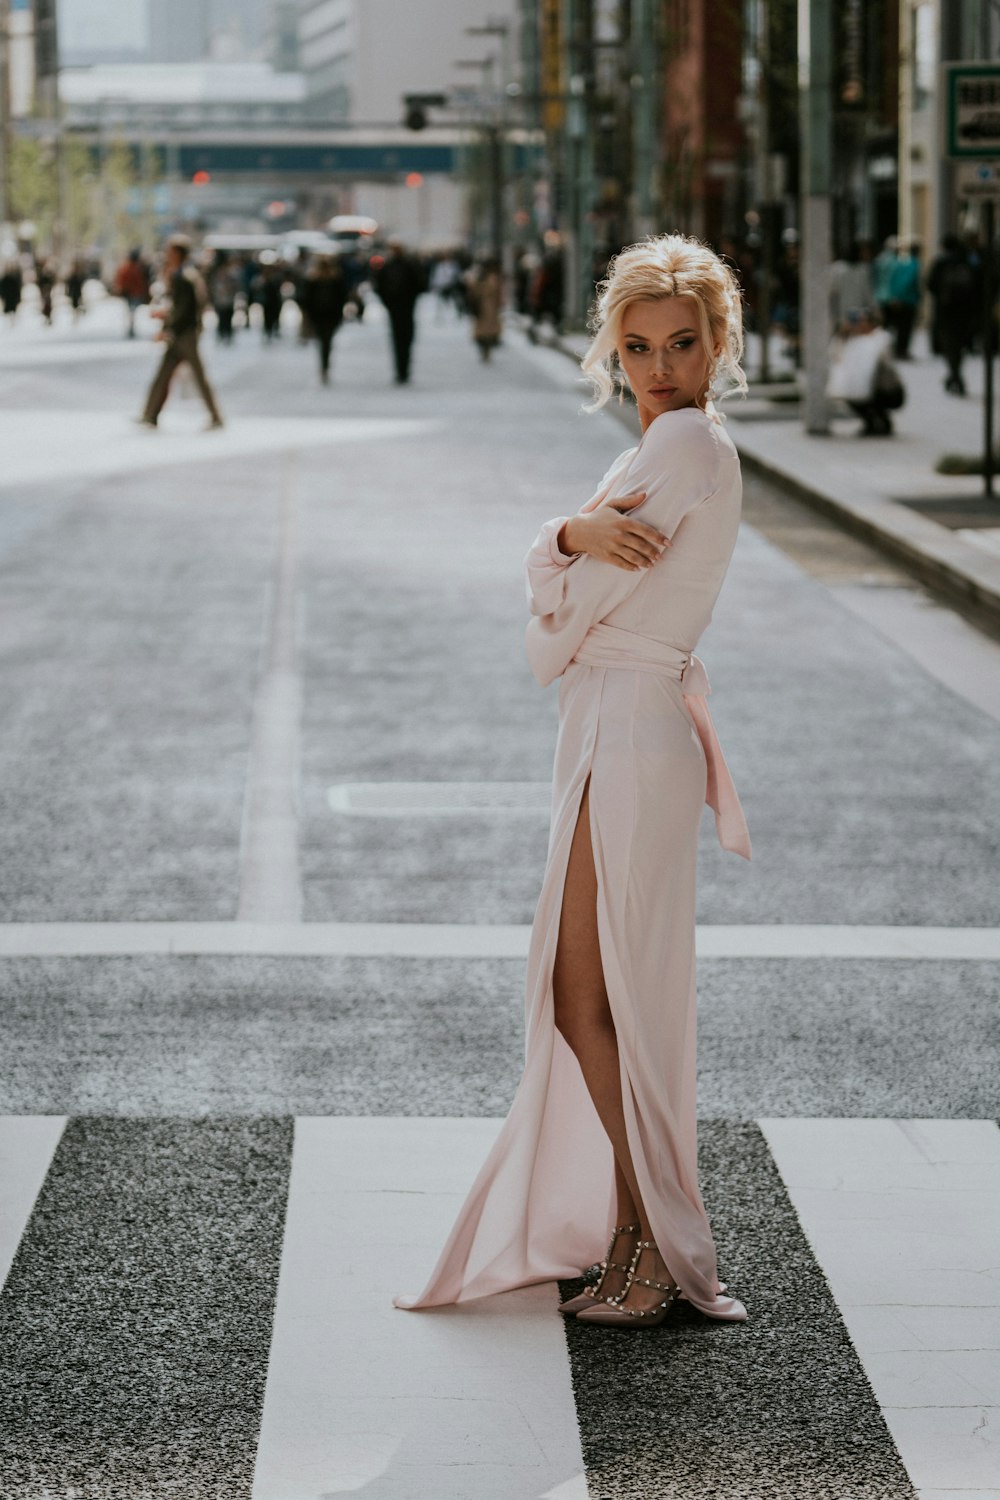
x=609, y=646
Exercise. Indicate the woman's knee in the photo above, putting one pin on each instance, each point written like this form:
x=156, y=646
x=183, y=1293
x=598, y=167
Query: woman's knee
x=583, y=1022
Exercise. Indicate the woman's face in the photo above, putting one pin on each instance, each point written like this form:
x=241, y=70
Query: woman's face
x=663, y=355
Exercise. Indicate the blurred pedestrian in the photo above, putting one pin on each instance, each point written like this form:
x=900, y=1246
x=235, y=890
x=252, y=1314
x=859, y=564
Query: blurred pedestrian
x=525, y=270
x=399, y=281
x=445, y=278
x=268, y=292
x=954, y=284
x=904, y=296
x=46, y=279
x=131, y=283
x=355, y=269
x=223, y=288
x=485, y=295
x=547, y=291
x=882, y=267
x=74, y=285
x=788, y=292
x=181, y=331
x=323, y=297
x=862, y=373
x=11, y=284
x=852, y=284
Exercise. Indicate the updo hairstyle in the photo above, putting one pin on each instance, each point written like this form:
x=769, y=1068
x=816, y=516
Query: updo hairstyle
x=667, y=265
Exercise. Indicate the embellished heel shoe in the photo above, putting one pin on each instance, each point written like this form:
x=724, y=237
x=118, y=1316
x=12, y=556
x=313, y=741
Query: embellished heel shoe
x=592, y=1294
x=612, y=1313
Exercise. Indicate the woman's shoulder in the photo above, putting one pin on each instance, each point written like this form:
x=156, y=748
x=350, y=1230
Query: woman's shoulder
x=690, y=432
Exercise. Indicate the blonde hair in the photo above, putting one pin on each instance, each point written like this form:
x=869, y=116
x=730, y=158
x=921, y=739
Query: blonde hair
x=667, y=265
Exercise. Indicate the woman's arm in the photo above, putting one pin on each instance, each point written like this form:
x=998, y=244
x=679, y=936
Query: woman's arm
x=607, y=533
x=676, y=466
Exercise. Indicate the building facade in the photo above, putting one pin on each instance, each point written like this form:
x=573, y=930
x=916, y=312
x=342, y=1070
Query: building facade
x=179, y=30
x=360, y=57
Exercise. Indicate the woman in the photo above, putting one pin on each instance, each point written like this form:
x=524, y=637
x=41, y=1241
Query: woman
x=602, y=1131
x=486, y=300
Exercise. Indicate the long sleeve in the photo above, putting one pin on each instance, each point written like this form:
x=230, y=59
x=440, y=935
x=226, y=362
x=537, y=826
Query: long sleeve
x=545, y=569
x=545, y=566
x=677, y=464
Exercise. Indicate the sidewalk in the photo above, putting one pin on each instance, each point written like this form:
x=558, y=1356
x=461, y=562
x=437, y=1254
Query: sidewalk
x=864, y=484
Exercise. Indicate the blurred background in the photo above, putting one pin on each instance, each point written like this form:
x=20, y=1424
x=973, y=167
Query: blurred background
x=531, y=129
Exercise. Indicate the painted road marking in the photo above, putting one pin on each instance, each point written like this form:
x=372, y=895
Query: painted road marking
x=469, y=940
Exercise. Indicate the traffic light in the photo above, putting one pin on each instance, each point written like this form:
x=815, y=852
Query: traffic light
x=415, y=107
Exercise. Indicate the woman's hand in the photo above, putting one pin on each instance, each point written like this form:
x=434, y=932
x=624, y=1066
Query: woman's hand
x=611, y=535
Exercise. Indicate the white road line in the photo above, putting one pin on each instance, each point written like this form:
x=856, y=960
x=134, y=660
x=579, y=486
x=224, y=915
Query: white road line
x=467, y=940
x=411, y=799
x=27, y=1144
x=904, y=1218
x=270, y=879
x=470, y=1403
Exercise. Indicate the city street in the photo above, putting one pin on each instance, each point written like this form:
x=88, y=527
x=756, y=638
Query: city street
x=275, y=791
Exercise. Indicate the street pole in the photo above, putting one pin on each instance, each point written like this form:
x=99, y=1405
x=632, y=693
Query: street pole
x=496, y=132
x=989, y=295
x=989, y=314
x=816, y=114
x=763, y=186
x=495, y=141
x=645, y=114
x=5, y=113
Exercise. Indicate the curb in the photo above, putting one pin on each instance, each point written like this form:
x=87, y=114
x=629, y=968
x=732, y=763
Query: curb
x=931, y=553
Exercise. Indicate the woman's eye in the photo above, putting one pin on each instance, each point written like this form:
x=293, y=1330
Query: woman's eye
x=636, y=348
x=684, y=343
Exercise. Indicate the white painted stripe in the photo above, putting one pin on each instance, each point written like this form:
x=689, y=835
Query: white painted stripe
x=904, y=1218
x=278, y=939
x=416, y=799
x=467, y=940
x=270, y=881
x=822, y=941
x=469, y=1403
x=27, y=1143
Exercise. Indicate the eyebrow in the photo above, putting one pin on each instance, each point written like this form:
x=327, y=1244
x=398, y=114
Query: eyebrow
x=676, y=334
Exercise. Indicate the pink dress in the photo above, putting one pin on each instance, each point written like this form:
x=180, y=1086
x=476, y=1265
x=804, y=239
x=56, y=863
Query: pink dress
x=633, y=718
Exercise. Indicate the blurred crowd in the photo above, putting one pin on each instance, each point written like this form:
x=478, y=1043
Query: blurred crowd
x=877, y=299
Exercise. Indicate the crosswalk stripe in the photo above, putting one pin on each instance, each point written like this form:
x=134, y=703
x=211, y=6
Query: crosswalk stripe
x=865, y=1250
x=468, y=1403
x=904, y=1217
x=471, y=940
x=775, y=1408
x=27, y=1143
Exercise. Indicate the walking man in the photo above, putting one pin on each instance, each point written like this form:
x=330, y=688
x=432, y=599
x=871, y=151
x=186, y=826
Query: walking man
x=957, y=293
x=322, y=299
x=399, y=282
x=180, y=333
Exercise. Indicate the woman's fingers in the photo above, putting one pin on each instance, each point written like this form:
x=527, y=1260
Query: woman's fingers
x=636, y=558
x=647, y=543
x=647, y=533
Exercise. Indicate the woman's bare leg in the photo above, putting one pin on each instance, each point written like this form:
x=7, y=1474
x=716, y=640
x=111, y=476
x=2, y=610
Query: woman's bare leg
x=583, y=1016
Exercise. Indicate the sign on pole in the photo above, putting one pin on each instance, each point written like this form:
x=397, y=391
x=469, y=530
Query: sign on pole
x=978, y=180
x=971, y=110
